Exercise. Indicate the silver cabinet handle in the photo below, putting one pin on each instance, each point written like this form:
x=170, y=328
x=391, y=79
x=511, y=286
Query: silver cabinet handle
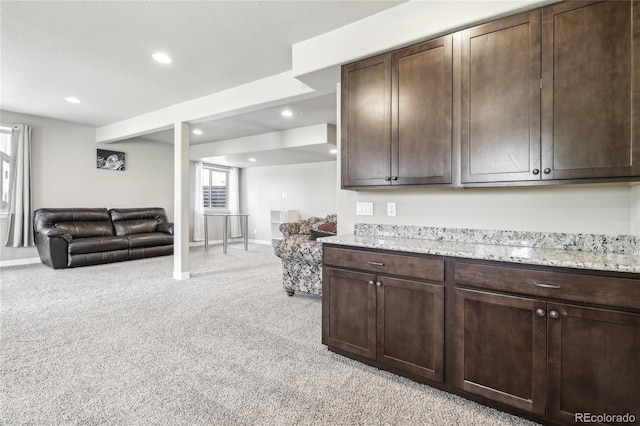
x=376, y=263
x=540, y=312
x=554, y=314
x=543, y=285
x=379, y=284
x=371, y=283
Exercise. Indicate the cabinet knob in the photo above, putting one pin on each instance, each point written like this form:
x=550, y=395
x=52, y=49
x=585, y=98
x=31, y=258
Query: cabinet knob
x=535, y=171
x=554, y=314
x=387, y=178
x=540, y=312
x=394, y=177
x=547, y=171
x=379, y=284
x=371, y=283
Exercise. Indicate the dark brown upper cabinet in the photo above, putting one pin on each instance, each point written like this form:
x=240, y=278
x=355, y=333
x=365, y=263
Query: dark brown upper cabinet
x=591, y=83
x=397, y=117
x=366, y=122
x=547, y=95
x=500, y=117
x=551, y=95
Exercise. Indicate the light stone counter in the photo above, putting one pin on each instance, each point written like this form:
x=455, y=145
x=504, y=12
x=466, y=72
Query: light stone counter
x=581, y=251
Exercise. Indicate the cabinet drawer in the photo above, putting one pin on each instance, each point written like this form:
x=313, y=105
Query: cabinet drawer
x=382, y=263
x=622, y=292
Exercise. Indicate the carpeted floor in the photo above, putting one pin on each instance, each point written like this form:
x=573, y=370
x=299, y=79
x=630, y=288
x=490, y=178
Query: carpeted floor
x=126, y=344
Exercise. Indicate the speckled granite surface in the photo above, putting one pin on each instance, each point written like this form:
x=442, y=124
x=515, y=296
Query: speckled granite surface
x=582, y=251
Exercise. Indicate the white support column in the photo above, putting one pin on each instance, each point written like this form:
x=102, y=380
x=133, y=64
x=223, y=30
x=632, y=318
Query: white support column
x=181, y=201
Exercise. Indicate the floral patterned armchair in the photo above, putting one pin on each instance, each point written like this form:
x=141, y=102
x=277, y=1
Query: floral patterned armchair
x=301, y=254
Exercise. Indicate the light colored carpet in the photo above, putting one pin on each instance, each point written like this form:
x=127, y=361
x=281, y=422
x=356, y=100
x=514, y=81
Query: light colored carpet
x=126, y=344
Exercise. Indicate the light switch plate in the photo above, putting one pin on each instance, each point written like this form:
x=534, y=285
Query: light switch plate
x=364, y=209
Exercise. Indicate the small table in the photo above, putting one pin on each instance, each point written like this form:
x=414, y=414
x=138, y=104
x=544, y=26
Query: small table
x=225, y=226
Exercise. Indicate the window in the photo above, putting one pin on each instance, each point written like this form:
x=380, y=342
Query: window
x=5, y=154
x=214, y=187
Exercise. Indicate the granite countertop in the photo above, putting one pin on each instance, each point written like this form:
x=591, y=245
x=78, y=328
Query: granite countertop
x=580, y=259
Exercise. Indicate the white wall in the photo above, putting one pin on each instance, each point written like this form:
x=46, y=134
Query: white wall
x=595, y=209
x=64, y=172
x=634, y=214
x=310, y=189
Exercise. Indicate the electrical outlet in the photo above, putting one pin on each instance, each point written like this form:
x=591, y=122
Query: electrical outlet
x=364, y=209
x=391, y=209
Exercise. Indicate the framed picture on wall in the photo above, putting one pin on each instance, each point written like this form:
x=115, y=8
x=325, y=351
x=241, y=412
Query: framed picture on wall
x=110, y=160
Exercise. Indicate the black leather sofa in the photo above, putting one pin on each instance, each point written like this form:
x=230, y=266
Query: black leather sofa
x=72, y=237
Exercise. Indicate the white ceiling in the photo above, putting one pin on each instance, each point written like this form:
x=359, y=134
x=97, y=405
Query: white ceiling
x=101, y=52
x=319, y=109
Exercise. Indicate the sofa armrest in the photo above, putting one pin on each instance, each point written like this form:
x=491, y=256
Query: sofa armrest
x=55, y=232
x=52, y=245
x=289, y=228
x=166, y=227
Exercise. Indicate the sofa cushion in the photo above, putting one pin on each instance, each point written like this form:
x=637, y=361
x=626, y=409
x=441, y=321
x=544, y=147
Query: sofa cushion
x=326, y=227
x=150, y=239
x=136, y=226
x=48, y=218
x=86, y=229
x=97, y=244
x=331, y=218
x=137, y=220
x=307, y=224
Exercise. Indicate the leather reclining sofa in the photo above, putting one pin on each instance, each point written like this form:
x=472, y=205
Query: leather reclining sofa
x=72, y=237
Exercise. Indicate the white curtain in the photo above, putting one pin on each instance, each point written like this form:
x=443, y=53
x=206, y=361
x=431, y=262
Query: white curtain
x=19, y=221
x=234, y=202
x=198, y=219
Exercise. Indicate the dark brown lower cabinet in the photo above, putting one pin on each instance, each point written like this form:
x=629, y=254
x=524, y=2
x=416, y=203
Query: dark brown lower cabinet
x=349, y=311
x=410, y=320
x=557, y=345
x=561, y=361
x=396, y=322
x=500, y=345
x=594, y=362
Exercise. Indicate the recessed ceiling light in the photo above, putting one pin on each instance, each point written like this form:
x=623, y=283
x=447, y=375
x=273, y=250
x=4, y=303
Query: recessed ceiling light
x=334, y=151
x=286, y=113
x=162, y=58
x=252, y=160
x=72, y=100
x=197, y=132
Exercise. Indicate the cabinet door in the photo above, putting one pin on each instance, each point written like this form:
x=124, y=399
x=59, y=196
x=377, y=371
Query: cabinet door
x=411, y=327
x=500, y=348
x=349, y=311
x=594, y=362
x=422, y=93
x=366, y=122
x=500, y=135
x=590, y=86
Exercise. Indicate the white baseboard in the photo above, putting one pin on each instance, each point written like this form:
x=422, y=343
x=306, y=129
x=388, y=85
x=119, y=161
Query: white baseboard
x=267, y=242
x=234, y=240
x=17, y=262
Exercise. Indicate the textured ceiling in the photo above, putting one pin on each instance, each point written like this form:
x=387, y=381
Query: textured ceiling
x=101, y=52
